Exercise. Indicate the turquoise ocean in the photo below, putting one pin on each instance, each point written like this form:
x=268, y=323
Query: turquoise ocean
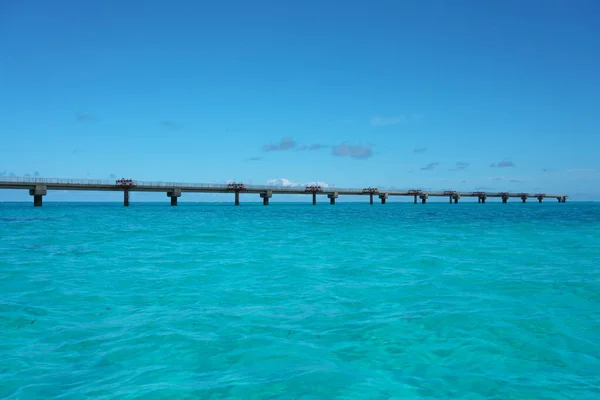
x=291, y=301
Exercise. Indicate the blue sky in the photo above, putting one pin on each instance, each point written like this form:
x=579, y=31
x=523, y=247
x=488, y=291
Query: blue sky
x=501, y=95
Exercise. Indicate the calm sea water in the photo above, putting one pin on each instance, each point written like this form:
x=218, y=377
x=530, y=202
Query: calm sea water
x=290, y=301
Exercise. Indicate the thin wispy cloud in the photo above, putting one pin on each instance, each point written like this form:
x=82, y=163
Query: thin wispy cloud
x=352, y=151
x=83, y=117
x=516, y=180
x=34, y=174
x=582, y=170
x=254, y=158
x=484, y=188
x=460, y=166
x=430, y=166
x=419, y=149
x=312, y=147
x=169, y=124
x=284, y=144
x=384, y=121
x=503, y=164
x=112, y=176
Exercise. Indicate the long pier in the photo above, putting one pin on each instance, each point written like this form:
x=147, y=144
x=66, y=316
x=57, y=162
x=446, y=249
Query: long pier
x=38, y=188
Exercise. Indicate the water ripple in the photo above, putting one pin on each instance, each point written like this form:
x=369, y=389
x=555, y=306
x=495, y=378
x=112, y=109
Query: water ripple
x=300, y=302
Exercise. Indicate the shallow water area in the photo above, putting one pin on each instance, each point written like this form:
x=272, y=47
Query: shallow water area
x=291, y=301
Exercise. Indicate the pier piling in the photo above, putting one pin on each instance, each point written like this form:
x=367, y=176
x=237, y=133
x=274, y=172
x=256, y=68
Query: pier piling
x=38, y=194
x=266, y=196
x=332, y=197
x=174, y=194
x=237, y=197
x=314, y=198
x=383, y=197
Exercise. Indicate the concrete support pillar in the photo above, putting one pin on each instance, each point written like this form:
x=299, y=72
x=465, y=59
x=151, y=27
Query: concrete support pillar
x=482, y=199
x=370, y=198
x=523, y=199
x=332, y=197
x=126, y=197
x=266, y=196
x=415, y=199
x=540, y=199
x=237, y=197
x=504, y=199
x=314, y=198
x=424, y=198
x=456, y=197
x=479, y=200
x=174, y=194
x=383, y=197
x=450, y=198
x=38, y=193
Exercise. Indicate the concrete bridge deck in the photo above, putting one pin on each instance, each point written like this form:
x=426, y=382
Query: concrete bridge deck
x=38, y=187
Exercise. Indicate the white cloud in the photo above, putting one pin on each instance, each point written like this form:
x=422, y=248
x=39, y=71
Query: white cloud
x=317, y=183
x=281, y=182
x=284, y=182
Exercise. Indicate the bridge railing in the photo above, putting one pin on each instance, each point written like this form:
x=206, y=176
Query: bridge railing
x=155, y=184
x=60, y=181
x=221, y=186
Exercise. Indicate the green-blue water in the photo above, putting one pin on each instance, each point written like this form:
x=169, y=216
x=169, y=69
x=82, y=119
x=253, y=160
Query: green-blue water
x=349, y=301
